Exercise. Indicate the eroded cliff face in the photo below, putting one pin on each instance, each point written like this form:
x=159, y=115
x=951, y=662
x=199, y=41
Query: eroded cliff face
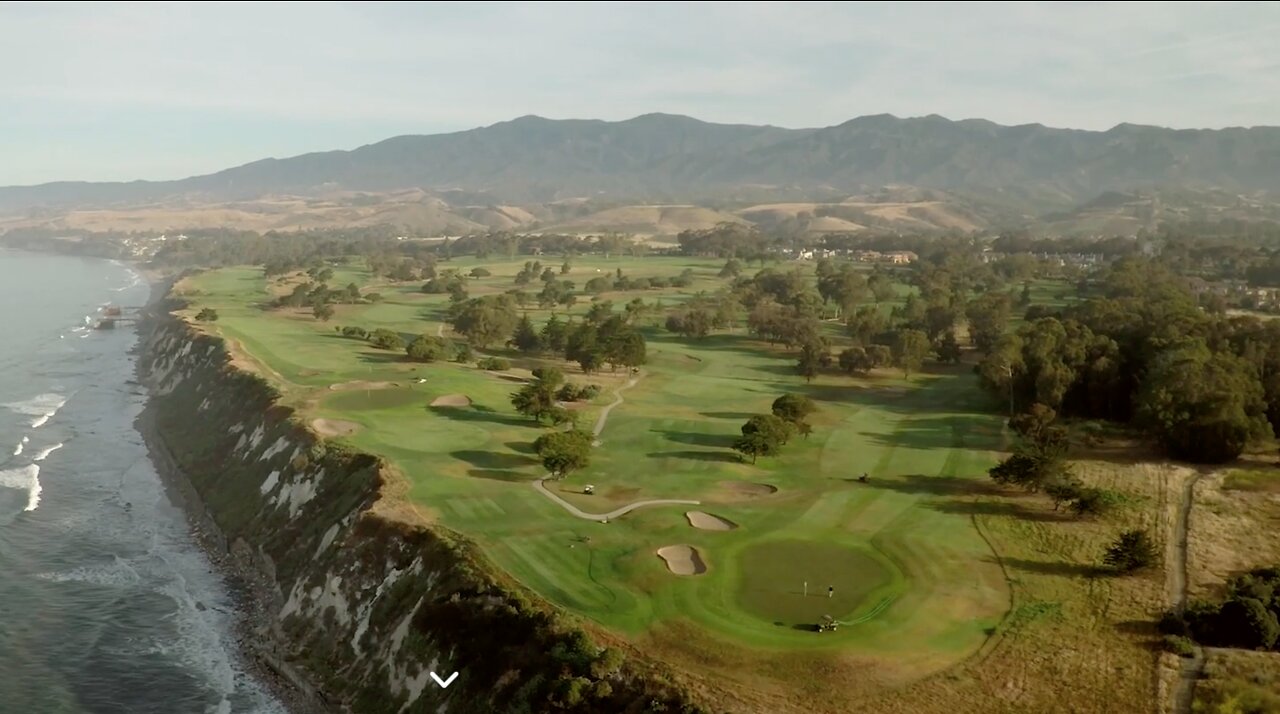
x=360, y=607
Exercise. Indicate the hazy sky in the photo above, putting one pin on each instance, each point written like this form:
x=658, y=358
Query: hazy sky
x=109, y=92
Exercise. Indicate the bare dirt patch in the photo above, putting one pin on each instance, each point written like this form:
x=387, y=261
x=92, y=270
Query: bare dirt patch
x=708, y=522
x=745, y=490
x=358, y=385
x=334, y=427
x=451, y=400
x=682, y=560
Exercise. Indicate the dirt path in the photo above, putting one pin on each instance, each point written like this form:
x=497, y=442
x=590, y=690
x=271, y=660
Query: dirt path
x=601, y=517
x=1190, y=668
x=617, y=399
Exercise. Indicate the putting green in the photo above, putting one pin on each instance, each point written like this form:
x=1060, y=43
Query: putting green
x=376, y=399
x=775, y=575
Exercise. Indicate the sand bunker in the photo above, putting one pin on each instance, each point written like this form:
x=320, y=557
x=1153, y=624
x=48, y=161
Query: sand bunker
x=354, y=386
x=742, y=490
x=451, y=400
x=682, y=560
x=708, y=522
x=334, y=427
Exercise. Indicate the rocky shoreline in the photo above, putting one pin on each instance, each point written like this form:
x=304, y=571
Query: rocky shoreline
x=251, y=594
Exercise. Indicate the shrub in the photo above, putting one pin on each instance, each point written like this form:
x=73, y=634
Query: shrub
x=494, y=364
x=429, y=348
x=357, y=332
x=480, y=273
x=462, y=352
x=207, y=314
x=577, y=392
x=1091, y=502
x=383, y=338
x=1130, y=552
x=1179, y=645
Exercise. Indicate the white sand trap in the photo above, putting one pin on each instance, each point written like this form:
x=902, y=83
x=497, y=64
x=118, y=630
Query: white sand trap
x=682, y=559
x=451, y=400
x=708, y=522
x=358, y=385
x=334, y=427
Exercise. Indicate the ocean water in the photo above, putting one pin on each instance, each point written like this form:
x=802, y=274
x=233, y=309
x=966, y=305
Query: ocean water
x=106, y=603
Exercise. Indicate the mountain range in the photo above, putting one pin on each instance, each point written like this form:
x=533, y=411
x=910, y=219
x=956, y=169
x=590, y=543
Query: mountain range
x=1025, y=170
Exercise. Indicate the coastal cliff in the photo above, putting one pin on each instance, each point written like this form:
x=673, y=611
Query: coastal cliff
x=357, y=606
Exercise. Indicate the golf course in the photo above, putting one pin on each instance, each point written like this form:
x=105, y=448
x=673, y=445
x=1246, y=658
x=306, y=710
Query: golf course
x=750, y=556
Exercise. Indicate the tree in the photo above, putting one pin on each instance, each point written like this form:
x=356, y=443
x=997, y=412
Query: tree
x=865, y=324
x=554, y=334
x=755, y=445
x=386, y=339
x=948, y=348
x=810, y=360
x=207, y=314
x=1019, y=469
x=563, y=452
x=879, y=356
x=552, y=377
x=565, y=267
x=1133, y=550
x=854, y=359
x=526, y=339
x=429, y=348
x=462, y=352
x=538, y=399
x=323, y=311
x=598, y=285
x=1034, y=423
x=794, y=408
x=485, y=320
x=1201, y=406
x=774, y=429
x=693, y=322
x=881, y=287
x=732, y=268
x=480, y=273
x=910, y=347
x=1024, y=298
x=988, y=316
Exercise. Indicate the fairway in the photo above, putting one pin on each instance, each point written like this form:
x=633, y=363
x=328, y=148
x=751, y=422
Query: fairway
x=916, y=586
x=786, y=581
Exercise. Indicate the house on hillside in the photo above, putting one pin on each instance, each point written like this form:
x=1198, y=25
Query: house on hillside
x=900, y=257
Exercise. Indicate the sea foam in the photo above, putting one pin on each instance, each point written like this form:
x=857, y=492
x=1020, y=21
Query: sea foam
x=42, y=454
x=42, y=407
x=26, y=478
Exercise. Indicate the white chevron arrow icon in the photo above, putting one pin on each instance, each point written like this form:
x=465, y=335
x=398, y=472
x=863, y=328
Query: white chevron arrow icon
x=444, y=683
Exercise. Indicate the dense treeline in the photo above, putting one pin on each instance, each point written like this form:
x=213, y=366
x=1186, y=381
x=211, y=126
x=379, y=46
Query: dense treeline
x=1140, y=349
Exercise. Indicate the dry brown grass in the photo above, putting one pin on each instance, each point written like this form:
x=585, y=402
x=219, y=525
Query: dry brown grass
x=1076, y=640
x=1229, y=530
x=1239, y=681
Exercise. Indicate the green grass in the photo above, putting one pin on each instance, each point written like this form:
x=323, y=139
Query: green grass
x=913, y=578
x=775, y=576
x=1258, y=480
